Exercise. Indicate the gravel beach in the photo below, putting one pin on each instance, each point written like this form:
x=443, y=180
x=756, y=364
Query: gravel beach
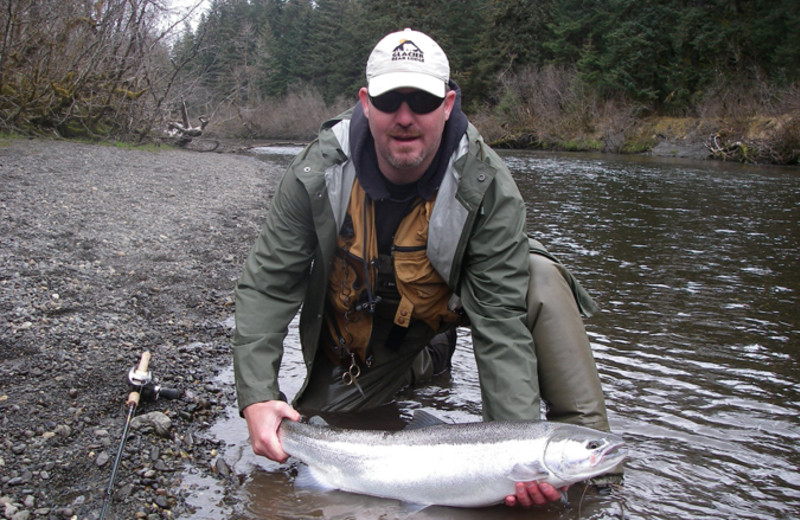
x=108, y=252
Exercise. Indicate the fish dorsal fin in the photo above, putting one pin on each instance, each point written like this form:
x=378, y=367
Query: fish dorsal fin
x=318, y=421
x=528, y=471
x=423, y=419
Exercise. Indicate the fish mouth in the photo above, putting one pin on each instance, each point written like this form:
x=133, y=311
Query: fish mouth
x=617, y=450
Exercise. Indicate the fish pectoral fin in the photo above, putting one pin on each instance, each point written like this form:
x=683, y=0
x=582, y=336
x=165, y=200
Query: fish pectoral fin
x=412, y=508
x=306, y=479
x=318, y=421
x=423, y=419
x=528, y=471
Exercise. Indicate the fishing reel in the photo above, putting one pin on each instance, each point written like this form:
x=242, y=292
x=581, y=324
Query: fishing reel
x=141, y=379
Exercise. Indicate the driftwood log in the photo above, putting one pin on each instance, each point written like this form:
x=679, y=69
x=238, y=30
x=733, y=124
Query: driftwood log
x=736, y=151
x=184, y=131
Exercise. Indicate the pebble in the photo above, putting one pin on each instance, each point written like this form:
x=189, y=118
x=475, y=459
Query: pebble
x=102, y=459
x=222, y=467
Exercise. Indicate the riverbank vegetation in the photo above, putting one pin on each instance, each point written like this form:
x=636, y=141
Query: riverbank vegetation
x=611, y=75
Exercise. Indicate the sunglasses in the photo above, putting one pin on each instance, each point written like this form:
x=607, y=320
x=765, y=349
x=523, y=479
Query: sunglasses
x=419, y=101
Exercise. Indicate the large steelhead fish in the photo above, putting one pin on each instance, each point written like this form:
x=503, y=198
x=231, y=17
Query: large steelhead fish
x=464, y=465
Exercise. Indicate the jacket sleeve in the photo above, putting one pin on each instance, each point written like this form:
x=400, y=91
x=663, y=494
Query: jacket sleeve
x=493, y=293
x=270, y=291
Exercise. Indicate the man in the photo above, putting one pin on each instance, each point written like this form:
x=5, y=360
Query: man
x=397, y=224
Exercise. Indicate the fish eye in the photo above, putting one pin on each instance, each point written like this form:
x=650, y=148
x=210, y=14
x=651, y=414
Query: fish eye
x=593, y=445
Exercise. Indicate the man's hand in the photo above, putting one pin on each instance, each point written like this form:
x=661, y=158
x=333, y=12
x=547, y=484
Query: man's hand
x=533, y=493
x=263, y=420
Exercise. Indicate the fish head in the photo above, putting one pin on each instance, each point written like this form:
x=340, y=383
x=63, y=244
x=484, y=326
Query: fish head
x=574, y=453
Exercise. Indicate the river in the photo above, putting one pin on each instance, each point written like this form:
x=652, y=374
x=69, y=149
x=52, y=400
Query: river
x=696, y=266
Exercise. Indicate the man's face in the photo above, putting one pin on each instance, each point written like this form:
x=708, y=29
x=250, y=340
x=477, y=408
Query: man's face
x=406, y=142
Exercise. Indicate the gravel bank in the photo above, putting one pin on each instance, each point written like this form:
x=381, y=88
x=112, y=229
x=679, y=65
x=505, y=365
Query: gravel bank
x=107, y=252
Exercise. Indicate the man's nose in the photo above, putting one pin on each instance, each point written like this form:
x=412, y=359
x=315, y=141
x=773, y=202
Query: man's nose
x=404, y=115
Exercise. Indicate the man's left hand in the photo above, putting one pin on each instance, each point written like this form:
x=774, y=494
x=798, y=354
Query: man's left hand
x=529, y=494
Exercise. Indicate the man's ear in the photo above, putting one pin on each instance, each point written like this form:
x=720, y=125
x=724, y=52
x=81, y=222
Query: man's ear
x=449, y=101
x=363, y=96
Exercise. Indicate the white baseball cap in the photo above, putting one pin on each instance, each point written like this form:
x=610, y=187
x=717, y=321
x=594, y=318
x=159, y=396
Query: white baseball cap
x=407, y=59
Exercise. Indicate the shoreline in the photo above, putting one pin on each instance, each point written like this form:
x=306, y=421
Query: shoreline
x=108, y=252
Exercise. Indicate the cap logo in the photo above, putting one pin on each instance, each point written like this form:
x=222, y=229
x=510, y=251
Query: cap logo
x=407, y=51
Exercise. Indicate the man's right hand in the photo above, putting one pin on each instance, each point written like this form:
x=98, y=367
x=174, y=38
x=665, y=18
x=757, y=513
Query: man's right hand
x=263, y=420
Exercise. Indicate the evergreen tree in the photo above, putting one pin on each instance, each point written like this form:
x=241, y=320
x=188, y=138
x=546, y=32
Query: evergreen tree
x=633, y=56
x=660, y=53
x=289, y=61
x=338, y=49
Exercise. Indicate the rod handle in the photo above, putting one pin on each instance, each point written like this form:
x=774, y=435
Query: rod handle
x=144, y=362
x=133, y=400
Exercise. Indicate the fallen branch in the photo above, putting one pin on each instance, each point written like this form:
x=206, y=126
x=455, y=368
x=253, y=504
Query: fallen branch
x=185, y=131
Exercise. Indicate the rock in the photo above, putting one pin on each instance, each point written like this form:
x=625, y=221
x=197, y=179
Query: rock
x=10, y=509
x=102, y=459
x=158, y=420
x=222, y=467
x=21, y=515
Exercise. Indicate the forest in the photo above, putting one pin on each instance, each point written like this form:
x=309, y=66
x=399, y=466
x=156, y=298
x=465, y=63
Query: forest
x=610, y=75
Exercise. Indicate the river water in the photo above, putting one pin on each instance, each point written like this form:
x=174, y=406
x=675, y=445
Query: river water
x=696, y=266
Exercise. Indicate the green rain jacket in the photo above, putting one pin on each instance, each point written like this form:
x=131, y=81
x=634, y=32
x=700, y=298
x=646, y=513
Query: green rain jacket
x=477, y=243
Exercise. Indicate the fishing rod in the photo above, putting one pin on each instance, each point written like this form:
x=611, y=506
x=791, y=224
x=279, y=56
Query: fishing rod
x=141, y=381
